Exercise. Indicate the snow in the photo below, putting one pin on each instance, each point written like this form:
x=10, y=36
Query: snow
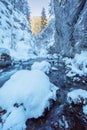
x=25, y=95
x=46, y=39
x=77, y=65
x=43, y=66
x=52, y=56
x=22, y=52
x=55, y=56
x=43, y=52
x=85, y=109
x=77, y=96
x=16, y=120
x=54, y=68
x=63, y=122
x=3, y=50
x=15, y=32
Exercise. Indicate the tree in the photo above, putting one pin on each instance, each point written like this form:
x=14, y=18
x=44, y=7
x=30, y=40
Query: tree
x=26, y=9
x=43, y=19
x=23, y=6
x=51, y=8
x=36, y=24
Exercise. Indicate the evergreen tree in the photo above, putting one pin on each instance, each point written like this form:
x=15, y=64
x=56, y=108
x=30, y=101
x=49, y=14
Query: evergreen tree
x=51, y=8
x=43, y=19
x=23, y=6
x=17, y=4
x=26, y=9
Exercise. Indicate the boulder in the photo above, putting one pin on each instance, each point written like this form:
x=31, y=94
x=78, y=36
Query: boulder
x=5, y=58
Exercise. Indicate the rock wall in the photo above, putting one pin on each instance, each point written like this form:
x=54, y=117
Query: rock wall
x=71, y=26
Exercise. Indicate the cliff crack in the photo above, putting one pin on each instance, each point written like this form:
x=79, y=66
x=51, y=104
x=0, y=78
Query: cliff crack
x=75, y=19
x=78, y=12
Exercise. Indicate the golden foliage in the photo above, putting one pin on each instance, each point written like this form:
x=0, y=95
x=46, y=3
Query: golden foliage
x=36, y=24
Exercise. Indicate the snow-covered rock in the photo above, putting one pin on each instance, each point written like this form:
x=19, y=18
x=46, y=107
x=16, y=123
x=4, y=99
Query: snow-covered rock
x=77, y=96
x=5, y=58
x=43, y=66
x=25, y=95
x=3, y=50
x=15, y=32
x=77, y=105
x=15, y=120
x=77, y=65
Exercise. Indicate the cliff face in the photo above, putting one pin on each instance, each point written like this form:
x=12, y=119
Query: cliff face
x=15, y=31
x=71, y=26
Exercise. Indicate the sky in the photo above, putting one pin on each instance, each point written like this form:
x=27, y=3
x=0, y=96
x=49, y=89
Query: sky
x=37, y=5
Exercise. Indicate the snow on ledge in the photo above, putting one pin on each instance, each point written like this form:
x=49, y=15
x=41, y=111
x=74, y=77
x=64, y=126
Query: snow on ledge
x=76, y=96
x=25, y=95
x=77, y=65
x=43, y=66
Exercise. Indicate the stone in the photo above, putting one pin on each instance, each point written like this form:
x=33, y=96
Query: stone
x=71, y=26
x=5, y=58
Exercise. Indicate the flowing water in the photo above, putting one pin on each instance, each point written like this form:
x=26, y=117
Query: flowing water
x=59, y=117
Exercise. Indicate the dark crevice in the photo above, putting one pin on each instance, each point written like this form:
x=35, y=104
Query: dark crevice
x=75, y=19
x=78, y=12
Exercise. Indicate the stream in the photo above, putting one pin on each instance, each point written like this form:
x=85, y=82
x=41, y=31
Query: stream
x=60, y=117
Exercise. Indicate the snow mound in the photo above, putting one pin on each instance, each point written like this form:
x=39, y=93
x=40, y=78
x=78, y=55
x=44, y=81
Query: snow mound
x=25, y=95
x=14, y=120
x=77, y=65
x=15, y=32
x=43, y=66
x=77, y=96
